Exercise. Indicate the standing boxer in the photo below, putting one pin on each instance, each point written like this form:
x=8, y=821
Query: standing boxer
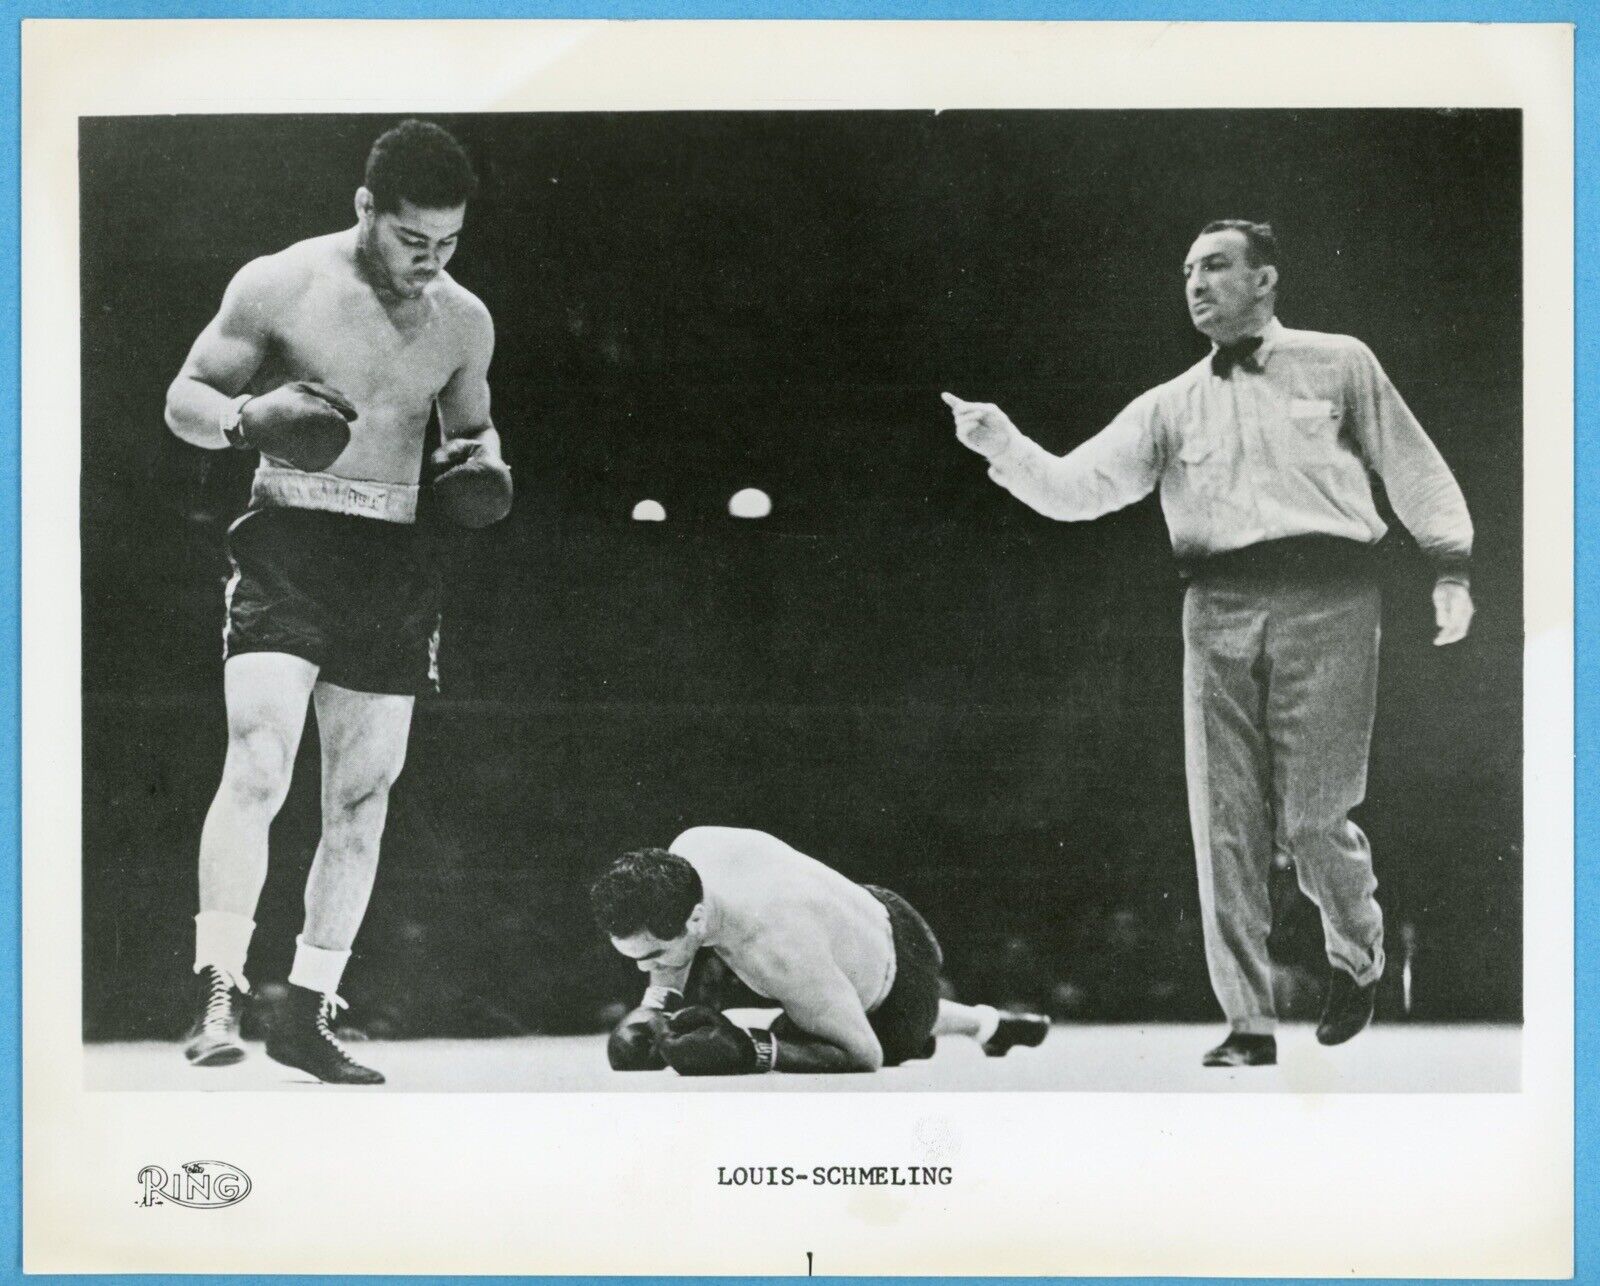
x=328, y=358
x=854, y=968
x=1262, y=453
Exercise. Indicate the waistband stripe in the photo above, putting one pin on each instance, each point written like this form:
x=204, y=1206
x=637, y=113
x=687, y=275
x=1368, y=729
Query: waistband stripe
x=275, y=487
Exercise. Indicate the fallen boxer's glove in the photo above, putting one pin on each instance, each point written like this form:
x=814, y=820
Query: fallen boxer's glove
x=702, y=1042
x=632, y=1047
x=472, y=484
x=303, y=424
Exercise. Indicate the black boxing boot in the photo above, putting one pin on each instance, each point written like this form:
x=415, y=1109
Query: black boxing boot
x=214, y=1038
x=299, y=1035
x=1016, y=1029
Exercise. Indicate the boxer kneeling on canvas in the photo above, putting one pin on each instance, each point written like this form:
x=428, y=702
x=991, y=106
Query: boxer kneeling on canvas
x=854, y=968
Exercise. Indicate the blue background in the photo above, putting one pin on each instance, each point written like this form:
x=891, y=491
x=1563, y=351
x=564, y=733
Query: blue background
x=1587, y=818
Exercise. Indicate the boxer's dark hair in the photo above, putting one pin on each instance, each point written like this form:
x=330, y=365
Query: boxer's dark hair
x=1260, y=241
x=649, y=889
x=419, y=162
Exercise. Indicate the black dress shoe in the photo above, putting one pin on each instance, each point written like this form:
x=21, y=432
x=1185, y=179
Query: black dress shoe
x=1348, y=1009
x=1243, y=1050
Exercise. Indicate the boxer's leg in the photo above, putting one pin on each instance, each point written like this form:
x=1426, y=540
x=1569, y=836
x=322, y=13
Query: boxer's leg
x=265, y=694
x=965, y=1020
x=364, y=738
x=997, y=1030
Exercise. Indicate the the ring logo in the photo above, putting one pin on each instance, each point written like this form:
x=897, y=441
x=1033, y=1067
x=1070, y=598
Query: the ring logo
x=200, y=1185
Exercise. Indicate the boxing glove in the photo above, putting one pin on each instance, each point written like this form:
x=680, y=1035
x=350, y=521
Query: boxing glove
x=702, y=1042
x=632, y=1047
x=471, y=483
x=302, y=424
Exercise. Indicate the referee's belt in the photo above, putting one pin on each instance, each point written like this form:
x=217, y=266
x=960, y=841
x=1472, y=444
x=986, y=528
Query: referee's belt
x=1292, y=558
x=276, y=487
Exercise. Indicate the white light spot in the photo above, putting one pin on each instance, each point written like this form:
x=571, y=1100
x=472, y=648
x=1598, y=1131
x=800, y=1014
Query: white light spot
x=649, y=511
x=752, y=502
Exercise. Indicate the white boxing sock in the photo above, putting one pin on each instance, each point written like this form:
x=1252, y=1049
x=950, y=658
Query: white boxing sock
x=317, y=968
x=222, y=940
x=988, y=1023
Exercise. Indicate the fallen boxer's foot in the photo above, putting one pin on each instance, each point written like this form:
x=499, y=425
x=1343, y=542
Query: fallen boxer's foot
x=1016, y=1029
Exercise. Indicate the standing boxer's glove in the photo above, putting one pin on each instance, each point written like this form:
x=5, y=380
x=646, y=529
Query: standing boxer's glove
x=303, y=424
x=632, y=1047
x=702, y=1042
x=472, y=484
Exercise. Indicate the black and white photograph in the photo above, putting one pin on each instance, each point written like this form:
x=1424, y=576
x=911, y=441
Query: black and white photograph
x=937, y=773
x=917, y=603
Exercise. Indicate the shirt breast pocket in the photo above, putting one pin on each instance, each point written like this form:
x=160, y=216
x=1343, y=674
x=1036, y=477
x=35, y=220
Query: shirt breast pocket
x=1203, y=463
x=1317, y=420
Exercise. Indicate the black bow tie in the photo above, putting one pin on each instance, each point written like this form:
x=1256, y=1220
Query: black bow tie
x=1239, y=353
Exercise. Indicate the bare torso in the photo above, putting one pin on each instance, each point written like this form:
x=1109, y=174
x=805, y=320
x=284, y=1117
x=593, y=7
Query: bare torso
x=391, y=357
x=781, y=917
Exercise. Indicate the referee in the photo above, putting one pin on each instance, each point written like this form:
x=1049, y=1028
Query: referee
x=1263, y=453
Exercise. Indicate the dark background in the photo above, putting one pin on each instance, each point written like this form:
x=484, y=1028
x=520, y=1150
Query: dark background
x=903, y=671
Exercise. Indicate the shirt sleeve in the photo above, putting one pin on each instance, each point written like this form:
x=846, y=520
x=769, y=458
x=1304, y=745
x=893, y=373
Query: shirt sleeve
x=1119, y=465
x=1423, y=491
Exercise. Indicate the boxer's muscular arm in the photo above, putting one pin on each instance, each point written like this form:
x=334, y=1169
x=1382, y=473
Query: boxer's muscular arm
x=228, y=352
x=471, y=480
x=464, y=400
x=827, y=1029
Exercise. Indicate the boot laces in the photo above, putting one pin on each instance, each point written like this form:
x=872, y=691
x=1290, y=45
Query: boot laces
x=325, y=1014
x=219, y=999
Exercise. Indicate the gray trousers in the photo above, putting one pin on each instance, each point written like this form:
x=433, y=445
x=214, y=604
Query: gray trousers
x=1280, y=685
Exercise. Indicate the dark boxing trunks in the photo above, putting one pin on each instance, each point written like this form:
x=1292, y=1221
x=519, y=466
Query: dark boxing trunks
x=357, y=597
x=905, y=1018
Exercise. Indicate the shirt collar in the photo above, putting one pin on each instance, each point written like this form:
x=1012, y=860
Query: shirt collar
x=1270, y=333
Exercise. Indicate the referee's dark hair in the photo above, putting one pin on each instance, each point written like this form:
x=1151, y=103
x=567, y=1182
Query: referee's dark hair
x=1261, y=242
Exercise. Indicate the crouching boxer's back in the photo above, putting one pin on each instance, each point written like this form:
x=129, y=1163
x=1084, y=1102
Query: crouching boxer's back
x=771, y=896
